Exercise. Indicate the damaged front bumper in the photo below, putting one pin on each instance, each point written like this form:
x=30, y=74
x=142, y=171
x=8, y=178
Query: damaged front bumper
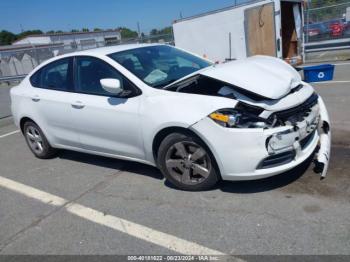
x=295, y=139
x=248, y=154
x=324, y=153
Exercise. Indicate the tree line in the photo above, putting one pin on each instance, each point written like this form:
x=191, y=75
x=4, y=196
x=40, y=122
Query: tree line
x=7, y=38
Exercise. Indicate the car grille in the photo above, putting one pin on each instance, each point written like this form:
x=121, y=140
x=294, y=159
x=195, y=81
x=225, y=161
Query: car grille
x=299, y=112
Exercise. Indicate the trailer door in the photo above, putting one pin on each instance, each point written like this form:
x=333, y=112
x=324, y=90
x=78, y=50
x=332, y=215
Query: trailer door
x=260, y=30
x=292, y=31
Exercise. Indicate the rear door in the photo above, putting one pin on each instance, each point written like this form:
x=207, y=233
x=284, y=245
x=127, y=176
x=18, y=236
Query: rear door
x=260, y=30
x=106, y=123
x=50, y=98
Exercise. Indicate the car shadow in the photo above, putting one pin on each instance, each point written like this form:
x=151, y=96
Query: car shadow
x=266, y=184
x=238, y=187
x=112, y=163
x=261, y=185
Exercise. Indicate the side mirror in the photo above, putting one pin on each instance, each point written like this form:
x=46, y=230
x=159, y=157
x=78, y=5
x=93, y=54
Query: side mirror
x=111, y=85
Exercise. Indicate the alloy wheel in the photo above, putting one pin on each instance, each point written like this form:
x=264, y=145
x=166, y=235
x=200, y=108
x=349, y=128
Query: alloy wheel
x=34, y=139
x=188, y=163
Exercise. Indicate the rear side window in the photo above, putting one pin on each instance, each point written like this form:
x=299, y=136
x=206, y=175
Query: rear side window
x=56, y=75
x=35, y=79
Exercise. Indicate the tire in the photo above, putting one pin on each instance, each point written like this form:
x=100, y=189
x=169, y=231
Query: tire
x=37, y=141
x=187, y=163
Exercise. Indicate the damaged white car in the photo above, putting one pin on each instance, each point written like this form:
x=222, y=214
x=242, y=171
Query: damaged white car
x=196, y=121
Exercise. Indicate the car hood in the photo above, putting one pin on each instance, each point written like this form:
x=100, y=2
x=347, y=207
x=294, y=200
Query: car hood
x=265, y=76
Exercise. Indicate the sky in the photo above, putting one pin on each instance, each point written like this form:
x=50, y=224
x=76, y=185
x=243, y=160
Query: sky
x=18, y=15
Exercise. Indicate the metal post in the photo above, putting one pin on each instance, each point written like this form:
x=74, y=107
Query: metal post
x=307, y=22
x=172, y=36
x=104, y=43
x=31, y=61
x=14, y=65
x=36, y=55
x=139, y=32
x=230, y=48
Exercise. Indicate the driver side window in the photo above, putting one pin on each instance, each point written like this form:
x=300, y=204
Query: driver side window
x=89, y=72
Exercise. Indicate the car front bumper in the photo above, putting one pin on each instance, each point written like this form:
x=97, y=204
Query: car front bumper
x=249, y=154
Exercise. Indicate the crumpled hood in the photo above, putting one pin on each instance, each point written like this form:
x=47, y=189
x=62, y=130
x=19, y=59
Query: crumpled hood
x=266, y=76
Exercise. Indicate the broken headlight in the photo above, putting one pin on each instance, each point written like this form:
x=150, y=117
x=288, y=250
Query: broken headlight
x=238, y=118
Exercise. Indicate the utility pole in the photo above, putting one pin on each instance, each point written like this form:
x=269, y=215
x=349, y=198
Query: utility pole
x=139, y=31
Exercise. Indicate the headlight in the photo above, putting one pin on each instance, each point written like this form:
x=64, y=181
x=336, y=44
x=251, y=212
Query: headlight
x=235, y=118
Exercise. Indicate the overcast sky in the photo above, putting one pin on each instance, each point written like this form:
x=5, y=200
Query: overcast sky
x=75, y=14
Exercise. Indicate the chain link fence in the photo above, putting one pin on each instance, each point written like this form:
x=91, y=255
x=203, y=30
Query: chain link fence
x=324, y=21
x=16, y=63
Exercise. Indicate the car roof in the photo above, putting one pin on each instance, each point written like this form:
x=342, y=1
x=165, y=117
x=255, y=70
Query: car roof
x=110, y=49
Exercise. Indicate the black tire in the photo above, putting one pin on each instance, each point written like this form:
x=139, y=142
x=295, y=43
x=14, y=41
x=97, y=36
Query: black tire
x=37, y=142
x=174, y=163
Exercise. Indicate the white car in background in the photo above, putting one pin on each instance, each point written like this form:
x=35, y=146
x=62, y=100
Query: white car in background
x=196, y=121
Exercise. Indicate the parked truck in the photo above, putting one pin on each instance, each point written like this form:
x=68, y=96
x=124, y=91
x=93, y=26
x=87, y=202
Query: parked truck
x=265, y=27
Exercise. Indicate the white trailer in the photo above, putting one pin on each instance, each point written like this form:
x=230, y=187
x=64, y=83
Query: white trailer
x=266, y=27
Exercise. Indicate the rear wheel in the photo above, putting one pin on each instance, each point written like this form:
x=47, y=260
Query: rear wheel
x=187, y=163
x=37, y=141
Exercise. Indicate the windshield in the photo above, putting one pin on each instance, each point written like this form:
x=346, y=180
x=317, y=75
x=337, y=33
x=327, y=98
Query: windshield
x=160, y=65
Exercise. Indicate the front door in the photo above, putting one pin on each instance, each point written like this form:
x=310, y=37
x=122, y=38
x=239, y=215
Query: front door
x=105, y=123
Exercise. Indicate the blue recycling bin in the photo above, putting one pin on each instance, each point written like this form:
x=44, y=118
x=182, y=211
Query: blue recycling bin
x=318, y=73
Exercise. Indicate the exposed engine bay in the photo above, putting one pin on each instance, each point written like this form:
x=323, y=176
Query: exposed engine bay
x=204, y=85
x=248, y=116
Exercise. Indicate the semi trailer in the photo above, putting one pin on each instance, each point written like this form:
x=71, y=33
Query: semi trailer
x=262, y=27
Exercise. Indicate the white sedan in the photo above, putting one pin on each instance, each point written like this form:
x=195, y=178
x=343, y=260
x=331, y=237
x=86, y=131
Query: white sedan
x=196, y=121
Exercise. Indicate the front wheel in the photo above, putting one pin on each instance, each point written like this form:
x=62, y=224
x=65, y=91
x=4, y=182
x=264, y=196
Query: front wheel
x=187, y=163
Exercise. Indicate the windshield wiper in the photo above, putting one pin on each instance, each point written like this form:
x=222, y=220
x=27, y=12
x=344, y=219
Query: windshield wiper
x=194, y=74
x=164, y=84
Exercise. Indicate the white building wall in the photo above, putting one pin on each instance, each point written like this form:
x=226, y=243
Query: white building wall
x=67, y=39
x=34, y=40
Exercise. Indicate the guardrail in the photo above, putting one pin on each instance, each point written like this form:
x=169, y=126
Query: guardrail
x=328, y=45
x=18, y=62
x=11, y=78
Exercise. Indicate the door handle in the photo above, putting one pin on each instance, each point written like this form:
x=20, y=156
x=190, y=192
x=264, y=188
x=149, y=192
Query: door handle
x=35, y=98
x=78, y=105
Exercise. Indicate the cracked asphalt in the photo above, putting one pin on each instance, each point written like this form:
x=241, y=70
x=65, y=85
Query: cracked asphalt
x=293, y=213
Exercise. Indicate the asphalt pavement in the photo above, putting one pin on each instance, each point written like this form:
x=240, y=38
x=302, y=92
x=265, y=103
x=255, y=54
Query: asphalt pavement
x=82, y=204
x=5, y=102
